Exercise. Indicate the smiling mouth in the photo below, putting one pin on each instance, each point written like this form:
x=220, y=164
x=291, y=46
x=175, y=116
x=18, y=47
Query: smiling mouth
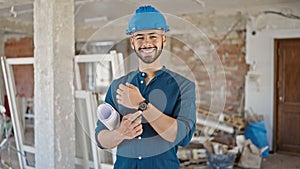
x=147, y=50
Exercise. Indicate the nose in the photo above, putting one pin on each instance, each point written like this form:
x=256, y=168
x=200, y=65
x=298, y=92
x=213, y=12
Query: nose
x=147, y=42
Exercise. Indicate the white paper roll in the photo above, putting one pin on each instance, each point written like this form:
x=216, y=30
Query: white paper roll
x=108, y=116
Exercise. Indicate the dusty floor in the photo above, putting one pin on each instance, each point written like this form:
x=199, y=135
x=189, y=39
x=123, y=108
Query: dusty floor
x=281, y=161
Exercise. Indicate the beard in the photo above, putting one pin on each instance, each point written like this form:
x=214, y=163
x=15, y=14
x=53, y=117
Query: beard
x=148, y=58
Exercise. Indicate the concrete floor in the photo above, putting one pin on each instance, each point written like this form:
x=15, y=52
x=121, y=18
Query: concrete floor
x=281, y=161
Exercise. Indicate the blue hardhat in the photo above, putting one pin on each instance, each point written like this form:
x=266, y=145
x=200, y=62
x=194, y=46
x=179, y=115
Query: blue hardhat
x=146, y=18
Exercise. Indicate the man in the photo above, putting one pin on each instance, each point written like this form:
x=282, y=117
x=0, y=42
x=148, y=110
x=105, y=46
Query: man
x=157, y=106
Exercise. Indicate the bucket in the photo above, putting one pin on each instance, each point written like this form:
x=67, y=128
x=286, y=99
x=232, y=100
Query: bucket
x=220, y=161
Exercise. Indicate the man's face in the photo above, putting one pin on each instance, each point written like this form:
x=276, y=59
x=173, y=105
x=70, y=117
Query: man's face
x=148, y=44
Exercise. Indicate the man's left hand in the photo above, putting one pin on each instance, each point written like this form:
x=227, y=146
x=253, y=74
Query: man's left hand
x=129, y=96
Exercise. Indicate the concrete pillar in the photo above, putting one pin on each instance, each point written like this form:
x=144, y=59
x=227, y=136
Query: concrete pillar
x=53, y=84
x=2, y=87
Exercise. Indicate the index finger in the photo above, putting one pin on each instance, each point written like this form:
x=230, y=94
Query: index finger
x=133, y=116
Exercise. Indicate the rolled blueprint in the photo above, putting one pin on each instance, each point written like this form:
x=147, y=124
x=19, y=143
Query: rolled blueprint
x=108, y=116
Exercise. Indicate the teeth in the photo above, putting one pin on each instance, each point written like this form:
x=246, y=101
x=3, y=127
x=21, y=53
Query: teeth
x=148, y=50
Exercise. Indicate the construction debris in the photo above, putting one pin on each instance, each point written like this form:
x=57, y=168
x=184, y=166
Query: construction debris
x=225, y=123
x=219, y=142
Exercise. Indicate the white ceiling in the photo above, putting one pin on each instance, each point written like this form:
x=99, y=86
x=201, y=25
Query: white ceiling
x=99, y=12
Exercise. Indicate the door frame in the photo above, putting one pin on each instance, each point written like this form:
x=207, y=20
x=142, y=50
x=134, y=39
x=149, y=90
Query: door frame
x=275, y=86
x=275, y=101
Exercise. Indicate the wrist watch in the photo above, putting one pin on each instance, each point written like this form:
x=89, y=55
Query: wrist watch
x=143, y=105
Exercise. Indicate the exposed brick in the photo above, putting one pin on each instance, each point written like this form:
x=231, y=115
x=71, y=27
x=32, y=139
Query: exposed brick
x=232, y=55
x=23, y=74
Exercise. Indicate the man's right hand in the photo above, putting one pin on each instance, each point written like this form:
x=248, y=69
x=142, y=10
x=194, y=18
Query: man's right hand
x=131, y=125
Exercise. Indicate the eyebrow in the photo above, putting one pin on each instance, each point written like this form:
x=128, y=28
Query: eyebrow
x=142, y=34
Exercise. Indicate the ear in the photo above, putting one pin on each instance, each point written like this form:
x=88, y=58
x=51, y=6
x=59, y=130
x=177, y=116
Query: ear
x=131, y=43
x=164, y=39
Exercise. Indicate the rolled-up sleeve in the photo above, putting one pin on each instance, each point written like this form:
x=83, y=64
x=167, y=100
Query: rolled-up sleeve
x=186, y=119
x=99, y=127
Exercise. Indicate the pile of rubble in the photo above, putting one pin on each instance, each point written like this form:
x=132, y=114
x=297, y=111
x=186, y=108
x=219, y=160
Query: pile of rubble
x=219, y=142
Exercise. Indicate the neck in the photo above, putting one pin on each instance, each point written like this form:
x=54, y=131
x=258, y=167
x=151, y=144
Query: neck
x=150, y=69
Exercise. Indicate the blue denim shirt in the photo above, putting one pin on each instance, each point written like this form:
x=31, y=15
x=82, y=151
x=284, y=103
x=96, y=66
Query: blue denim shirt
x=172, y=94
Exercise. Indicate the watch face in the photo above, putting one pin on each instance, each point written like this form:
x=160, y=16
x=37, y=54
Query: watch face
x=143, y=105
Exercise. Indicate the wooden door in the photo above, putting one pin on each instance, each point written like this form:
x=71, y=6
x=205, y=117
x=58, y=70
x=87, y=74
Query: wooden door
x=287, y=95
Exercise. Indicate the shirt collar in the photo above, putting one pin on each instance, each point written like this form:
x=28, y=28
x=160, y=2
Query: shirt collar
x=158, y=73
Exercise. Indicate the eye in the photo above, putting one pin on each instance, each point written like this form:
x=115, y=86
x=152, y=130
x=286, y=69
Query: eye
x=153, y=37
x=139, y=37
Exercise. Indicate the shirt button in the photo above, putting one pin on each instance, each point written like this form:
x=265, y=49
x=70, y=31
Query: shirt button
x=140, y=157
x=142, y=81
x=143, y=74
x=139, y=137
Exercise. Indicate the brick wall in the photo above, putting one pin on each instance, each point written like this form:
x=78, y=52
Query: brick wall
x=230, y=48
x=232, y=54
x=23, y=74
